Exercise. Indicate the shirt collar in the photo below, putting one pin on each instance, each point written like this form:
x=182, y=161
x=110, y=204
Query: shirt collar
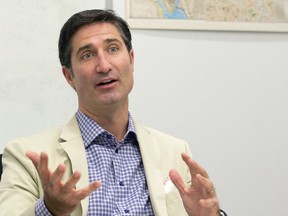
x=90, y=129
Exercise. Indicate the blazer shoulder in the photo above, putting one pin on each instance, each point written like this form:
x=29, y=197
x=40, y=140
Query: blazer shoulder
x=47, y=139
x=43, y=136
x=163, y=139
x=154, y=132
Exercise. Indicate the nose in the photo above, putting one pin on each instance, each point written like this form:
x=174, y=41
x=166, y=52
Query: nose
x=103, y=65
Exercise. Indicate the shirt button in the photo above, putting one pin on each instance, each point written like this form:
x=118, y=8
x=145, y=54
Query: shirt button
x=121, y=183
x=126, y=211
x=116, y=150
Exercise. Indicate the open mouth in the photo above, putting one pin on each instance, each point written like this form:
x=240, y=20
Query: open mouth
x=106, y=82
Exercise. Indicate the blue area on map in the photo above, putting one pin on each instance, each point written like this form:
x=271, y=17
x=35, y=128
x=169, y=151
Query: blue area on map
x=176, y=13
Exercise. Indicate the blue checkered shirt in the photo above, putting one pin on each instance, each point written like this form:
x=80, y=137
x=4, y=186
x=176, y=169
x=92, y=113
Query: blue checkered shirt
x=119, y=167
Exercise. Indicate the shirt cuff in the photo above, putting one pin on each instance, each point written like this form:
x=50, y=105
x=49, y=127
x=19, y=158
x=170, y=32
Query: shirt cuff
x=40, y=209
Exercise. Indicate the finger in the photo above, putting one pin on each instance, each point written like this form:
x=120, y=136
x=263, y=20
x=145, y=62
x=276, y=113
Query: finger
x=43, y=163
x=84, y=192
x=194, y=167
x=207, y=186
x=209, y=203
x=43, y=170
x=177, y=181
x=56, y=176
x=72, y=181
x=38, y=161
x=34, y=157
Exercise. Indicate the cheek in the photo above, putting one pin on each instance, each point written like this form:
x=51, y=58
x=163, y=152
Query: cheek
x=82, y=80
x=84, y=72
x=129, y=73
x=130, y=81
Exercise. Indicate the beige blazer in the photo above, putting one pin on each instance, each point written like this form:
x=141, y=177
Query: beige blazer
x=20, y=187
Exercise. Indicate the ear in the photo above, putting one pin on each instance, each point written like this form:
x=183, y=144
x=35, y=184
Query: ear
x=131, y=55
x=68, y=74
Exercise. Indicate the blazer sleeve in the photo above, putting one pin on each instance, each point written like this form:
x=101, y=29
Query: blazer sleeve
x=20, y=187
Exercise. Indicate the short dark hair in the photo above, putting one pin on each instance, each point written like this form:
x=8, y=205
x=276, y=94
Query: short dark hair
x=86, y=17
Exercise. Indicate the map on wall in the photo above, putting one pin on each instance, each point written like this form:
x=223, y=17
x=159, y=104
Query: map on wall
x=251, y=15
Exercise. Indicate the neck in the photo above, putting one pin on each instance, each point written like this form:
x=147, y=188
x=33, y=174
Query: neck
x=113, y=121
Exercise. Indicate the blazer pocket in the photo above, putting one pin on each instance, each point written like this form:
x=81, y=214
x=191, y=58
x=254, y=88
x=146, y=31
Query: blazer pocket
x=174, y=204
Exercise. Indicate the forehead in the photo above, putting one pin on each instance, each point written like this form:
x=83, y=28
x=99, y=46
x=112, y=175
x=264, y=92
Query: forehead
x=95, y=31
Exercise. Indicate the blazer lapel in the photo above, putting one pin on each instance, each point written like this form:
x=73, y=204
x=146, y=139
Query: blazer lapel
x=151, y=157
x=73, y=145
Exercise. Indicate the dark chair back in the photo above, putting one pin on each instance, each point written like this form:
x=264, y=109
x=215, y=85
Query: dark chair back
x=0, y=165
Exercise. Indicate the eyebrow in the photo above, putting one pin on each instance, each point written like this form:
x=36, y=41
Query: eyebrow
x=110, y=40
x=83, y=48
x=88, y=46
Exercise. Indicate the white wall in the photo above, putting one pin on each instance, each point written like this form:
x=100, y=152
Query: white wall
x=224, y=92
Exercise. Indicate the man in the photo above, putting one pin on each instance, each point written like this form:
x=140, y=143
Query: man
x=102, y=162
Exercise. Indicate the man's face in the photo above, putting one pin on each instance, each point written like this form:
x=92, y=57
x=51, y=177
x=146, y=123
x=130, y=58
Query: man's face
x=102, y=67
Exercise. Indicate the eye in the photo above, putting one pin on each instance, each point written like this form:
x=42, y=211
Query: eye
x=87, y=55
x=113, y=49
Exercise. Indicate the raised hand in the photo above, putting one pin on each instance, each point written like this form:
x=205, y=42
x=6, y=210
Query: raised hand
x=61, y=198
x=199, y=199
